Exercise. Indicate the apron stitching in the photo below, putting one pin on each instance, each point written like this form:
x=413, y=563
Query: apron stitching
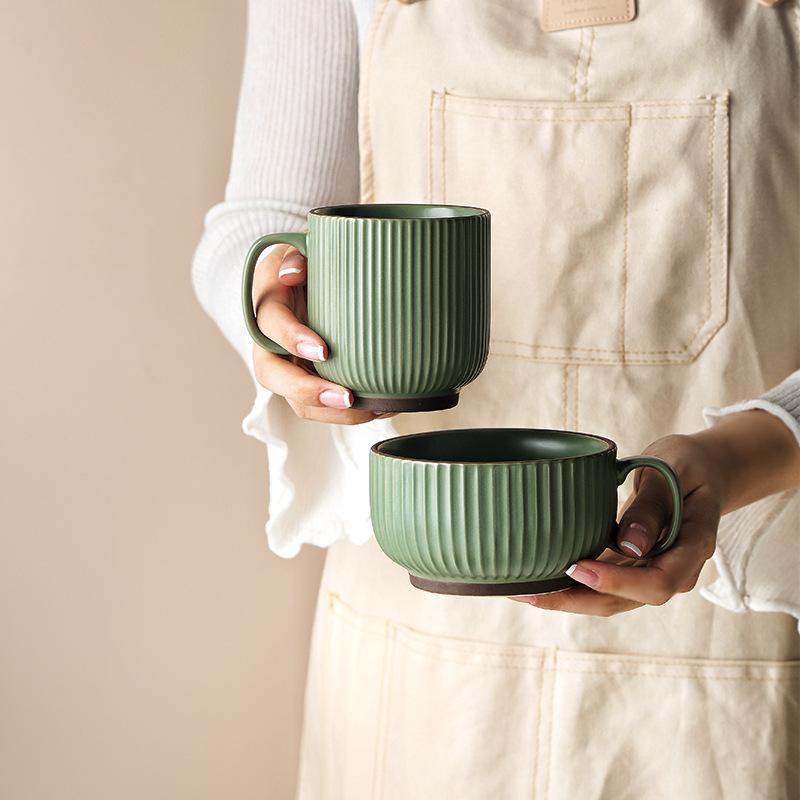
x=588, y=349
x=564, y=394
x=649, y=674
x=442, y=653
x=326, y=689
x=460, y=99
x=552, y=667
x=625, y=191
x=430, y=147
x=574, y=82
x=464, y=651
x=623, y=660
x=379, y=765
x=368, y=178
x=580, y=118
x=712, y=130
x=538, y=727
x=577, y=384
x=444, y=145
x=588, y=65
x=583, y=349
x=676, y=116
x=640, y=358
x=723, y=237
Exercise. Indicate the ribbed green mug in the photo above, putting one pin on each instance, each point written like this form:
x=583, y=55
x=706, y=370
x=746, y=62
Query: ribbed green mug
x=400, y=294
x=492, y=511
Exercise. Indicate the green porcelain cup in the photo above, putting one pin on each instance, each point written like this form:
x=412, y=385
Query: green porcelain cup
x=493, y=511
x=400, y=294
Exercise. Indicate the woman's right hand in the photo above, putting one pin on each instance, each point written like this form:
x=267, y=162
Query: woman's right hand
x=280, y=303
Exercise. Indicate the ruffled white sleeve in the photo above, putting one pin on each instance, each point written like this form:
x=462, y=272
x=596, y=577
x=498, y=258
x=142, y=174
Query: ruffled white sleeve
x=758, y=547
x=295, y=148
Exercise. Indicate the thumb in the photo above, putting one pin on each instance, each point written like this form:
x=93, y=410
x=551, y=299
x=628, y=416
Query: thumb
x=647, y=514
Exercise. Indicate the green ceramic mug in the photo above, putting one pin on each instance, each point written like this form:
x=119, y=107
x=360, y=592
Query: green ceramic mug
x=400, y=294
x=492, y=511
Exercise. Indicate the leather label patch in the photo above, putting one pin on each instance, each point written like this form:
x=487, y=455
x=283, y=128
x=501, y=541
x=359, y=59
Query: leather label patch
x=560, y=15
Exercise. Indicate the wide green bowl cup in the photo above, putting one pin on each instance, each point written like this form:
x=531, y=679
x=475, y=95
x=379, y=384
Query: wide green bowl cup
x=494, y=511
x=400, y=294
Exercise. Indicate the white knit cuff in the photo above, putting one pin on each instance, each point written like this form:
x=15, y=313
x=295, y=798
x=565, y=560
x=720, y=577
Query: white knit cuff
x=758, y=547
x=712, y=413
x=783, y=401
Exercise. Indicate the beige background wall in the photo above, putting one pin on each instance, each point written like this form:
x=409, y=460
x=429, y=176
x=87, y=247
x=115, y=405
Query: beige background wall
x=150, y=644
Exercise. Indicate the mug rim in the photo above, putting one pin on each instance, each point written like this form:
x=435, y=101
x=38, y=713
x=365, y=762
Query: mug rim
x=611, y=446
x=330, y=212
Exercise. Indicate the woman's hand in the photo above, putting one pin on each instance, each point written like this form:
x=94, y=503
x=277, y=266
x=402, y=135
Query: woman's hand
x=280, y=305
x=744, y=457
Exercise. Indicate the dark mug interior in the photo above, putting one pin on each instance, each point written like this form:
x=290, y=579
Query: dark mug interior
x=398, y=211
x=493, y=445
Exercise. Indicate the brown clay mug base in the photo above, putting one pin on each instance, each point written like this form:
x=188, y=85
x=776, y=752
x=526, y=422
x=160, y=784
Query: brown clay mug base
x=386, y=404
x=493, y=589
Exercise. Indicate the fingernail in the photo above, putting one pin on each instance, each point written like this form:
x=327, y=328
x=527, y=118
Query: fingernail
x=336, y=399
x=632, y=548
x=311, y=351
x=289, y=271
x=636, y=538
x=528, y=599
x=583, y=575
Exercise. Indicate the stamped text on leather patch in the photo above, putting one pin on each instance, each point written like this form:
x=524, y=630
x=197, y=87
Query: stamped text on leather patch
x=559, y=15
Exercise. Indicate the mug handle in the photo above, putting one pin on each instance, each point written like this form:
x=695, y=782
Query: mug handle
x=298, y=240
x=624, y=466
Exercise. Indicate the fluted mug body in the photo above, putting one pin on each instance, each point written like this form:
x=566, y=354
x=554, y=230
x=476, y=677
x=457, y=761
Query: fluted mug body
x=401, y=296
x=499, y=511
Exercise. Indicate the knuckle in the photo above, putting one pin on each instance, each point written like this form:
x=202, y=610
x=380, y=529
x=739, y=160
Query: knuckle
x=707, y=550
x=306, y=392
x=356, y=418
x=659, y=598
x=299, y=409
x=261, y=370
x=550, y=603
x=661, y=594
x=690, y=581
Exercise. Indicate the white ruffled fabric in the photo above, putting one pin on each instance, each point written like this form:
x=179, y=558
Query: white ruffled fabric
x=757, y=569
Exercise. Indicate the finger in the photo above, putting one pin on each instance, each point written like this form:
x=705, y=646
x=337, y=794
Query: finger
x=306, y=391
x=653, y=582
x=646, y=515
x=292, y=269
x=348, y=416
x=278, y=321
x=266, y=273
x=297, y=384
x=579, y=601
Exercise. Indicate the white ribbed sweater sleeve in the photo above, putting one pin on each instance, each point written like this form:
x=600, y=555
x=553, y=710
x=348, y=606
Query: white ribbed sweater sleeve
x=295, y=144
x=296, y=147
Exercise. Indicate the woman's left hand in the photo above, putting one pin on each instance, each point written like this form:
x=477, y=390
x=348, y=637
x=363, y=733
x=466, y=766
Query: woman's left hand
x=614, y=583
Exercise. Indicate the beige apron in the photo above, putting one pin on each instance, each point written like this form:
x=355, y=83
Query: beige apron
x=630, y=288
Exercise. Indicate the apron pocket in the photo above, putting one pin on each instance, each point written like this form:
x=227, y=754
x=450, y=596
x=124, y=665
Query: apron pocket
x=348, y=714
x=432, y=716
x=628, y=727
x=609, y=241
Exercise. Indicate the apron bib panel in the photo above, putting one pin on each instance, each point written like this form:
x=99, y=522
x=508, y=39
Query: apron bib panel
x=645, y=264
